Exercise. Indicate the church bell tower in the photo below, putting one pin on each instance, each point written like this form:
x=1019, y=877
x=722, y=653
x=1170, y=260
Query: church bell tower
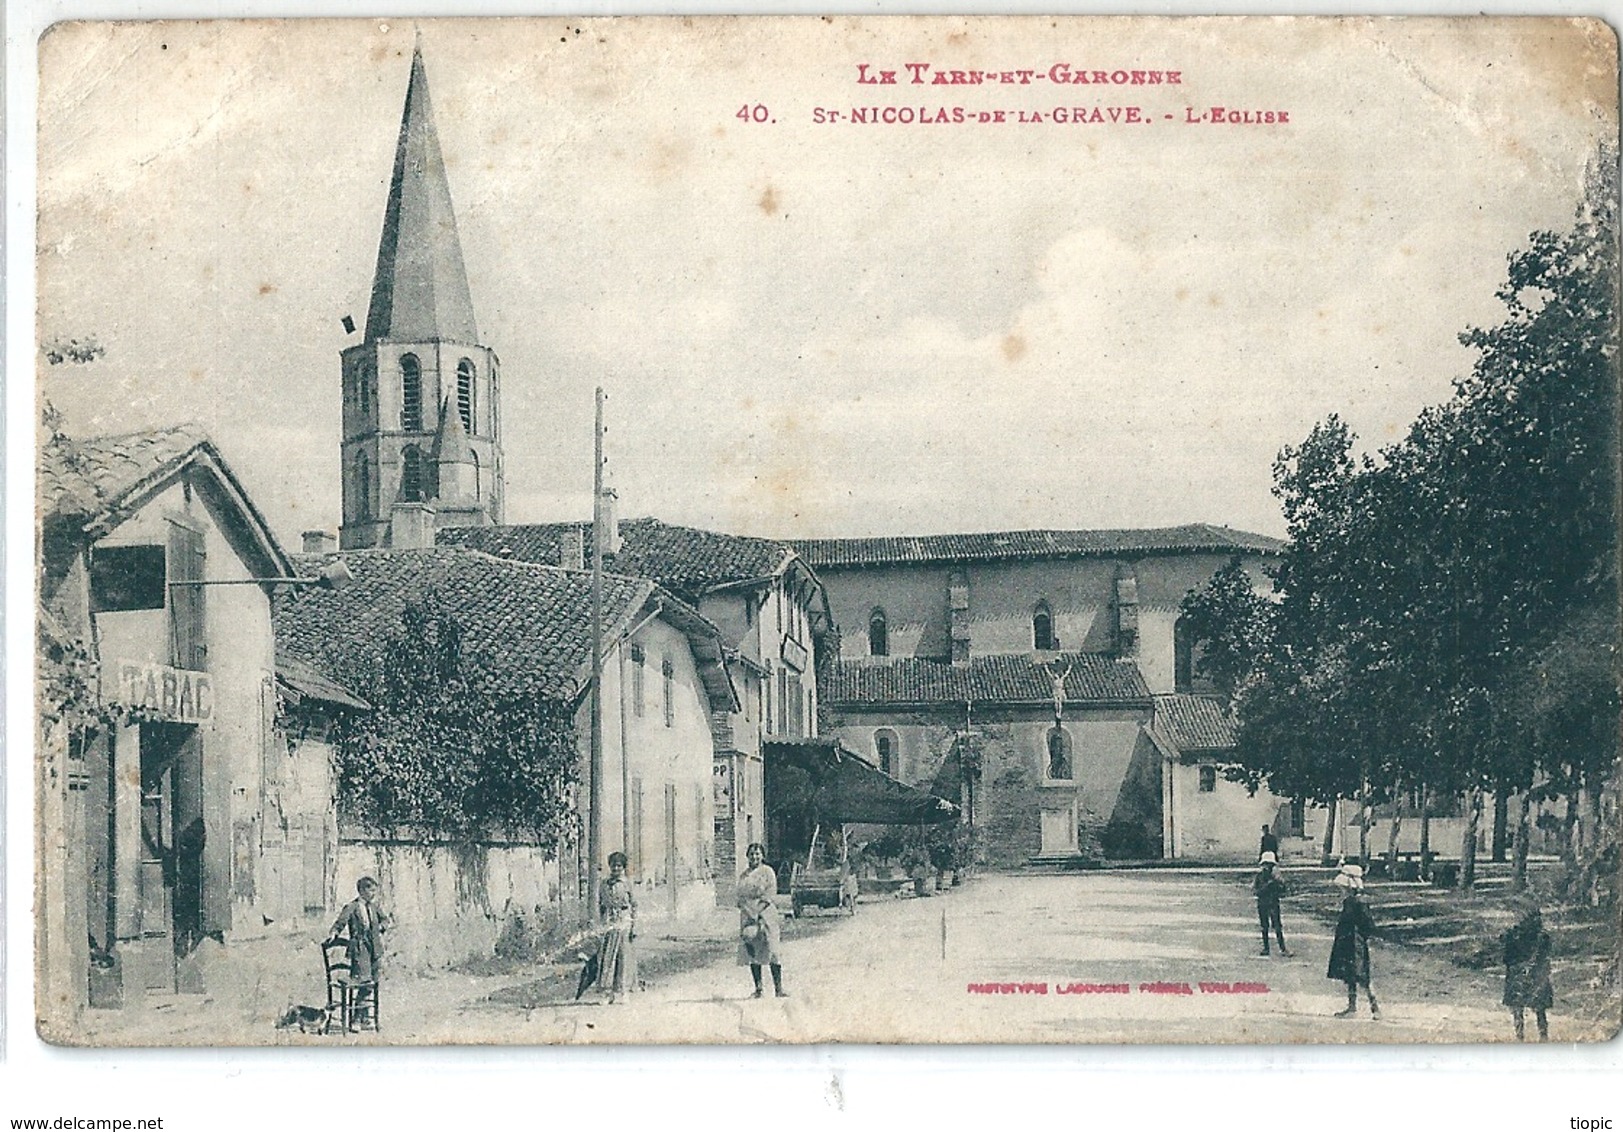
x=421, y=444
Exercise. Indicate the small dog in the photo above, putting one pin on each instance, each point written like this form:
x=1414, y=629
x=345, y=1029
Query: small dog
x=309, y=1019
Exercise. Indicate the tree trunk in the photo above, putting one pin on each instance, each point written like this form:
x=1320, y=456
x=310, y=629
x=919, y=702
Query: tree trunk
x=1571, y=835
x=1473, y=818
x=1393, y=830
x=1334, y=811
x=1518, y=877
x=1501, y=822
x=1363, y=824
x=1425, y=832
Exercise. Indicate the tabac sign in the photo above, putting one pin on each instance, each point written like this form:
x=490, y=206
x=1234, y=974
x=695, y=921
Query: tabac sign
x=175, y=695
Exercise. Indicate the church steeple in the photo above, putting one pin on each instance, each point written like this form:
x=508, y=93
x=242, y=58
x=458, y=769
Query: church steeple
x=420, y=291
x=422, y=395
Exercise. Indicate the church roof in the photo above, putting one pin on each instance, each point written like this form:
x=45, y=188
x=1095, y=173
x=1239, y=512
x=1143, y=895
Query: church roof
x=685, y=560
x=991, y=679
x=997, y=546
x=420, y=292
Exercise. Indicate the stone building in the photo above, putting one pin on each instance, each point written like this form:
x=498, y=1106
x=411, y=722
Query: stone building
x=421, y=443
x=1040, y=677
x=529, y=626
x=159, y=715
x=774, y=621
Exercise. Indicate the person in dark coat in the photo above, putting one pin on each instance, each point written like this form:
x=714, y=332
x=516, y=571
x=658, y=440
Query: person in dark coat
x=1270, y=843
x=1349, y=954
x=1268, y=886
x=1527, y=972
x=360, y=926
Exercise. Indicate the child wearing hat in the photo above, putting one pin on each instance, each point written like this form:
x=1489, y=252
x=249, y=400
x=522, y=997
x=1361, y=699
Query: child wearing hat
x=1267, y=886
x=1349, y=954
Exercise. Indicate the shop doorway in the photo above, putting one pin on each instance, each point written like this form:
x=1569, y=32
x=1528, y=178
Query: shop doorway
x=171, y=863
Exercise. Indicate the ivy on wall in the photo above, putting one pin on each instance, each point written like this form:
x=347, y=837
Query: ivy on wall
x=454, y=747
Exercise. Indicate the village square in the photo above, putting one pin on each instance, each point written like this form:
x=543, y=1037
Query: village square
x=429, y=776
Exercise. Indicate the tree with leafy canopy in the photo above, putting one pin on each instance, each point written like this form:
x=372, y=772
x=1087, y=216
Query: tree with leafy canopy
x=1448, y=613
x=453, y=748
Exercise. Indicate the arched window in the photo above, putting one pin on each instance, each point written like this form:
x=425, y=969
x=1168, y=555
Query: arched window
x=363, y=486
x=465, y=394
x=886, y=751
x=477, y=490
x=411, y=475
x=1042, y=629
x=1059, y=755
x=411, y=393
x=878, y=634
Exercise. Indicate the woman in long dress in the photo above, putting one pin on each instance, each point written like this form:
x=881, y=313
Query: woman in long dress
x=617, y=909
x=759, y=926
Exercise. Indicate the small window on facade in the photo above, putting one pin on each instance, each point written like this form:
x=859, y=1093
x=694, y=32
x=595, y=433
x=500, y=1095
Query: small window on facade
x=411, y=475
x=127, y=577
x=363, y=387
x=465, y=394
x=749, y=611
x=668, y=673
x=1208, y=779
x=363, y=485
x=638, y=662
x=1042, y=629
x=411, y=394
x=1059, y=755
x=878, y=634
x=885, y=751
x=478, y=491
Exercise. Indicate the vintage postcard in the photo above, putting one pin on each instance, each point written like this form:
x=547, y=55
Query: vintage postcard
x=740, y=530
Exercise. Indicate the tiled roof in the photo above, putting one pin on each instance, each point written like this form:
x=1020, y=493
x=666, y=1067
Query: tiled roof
x=84, y=478
x=303, y=681
x=1193, y=538
x=1194, y=723
x=985, y=679
x=89, y=485
x=532, y=622
x=687, y=561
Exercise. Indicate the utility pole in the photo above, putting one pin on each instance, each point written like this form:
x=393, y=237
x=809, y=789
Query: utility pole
x=594, y=792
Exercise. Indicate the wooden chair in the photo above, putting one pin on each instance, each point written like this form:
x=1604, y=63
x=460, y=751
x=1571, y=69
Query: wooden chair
x=348, y=999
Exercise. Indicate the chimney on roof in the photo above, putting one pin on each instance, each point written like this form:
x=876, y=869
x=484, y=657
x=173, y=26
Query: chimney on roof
x=572, y=549
x=319, y=542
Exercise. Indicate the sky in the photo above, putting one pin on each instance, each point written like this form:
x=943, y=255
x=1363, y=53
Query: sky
x=815, y=329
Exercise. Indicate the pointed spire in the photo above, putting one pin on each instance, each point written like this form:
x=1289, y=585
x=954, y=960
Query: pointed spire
x=454, y=458
x=420, y=292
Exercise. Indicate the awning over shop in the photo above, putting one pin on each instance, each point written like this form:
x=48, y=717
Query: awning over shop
x=834, y=783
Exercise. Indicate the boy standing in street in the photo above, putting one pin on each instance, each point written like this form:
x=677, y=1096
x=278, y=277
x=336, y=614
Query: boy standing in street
x=1268, y=887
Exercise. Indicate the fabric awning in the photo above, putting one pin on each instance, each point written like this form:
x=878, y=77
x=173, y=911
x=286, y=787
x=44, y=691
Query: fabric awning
x=836, y=785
